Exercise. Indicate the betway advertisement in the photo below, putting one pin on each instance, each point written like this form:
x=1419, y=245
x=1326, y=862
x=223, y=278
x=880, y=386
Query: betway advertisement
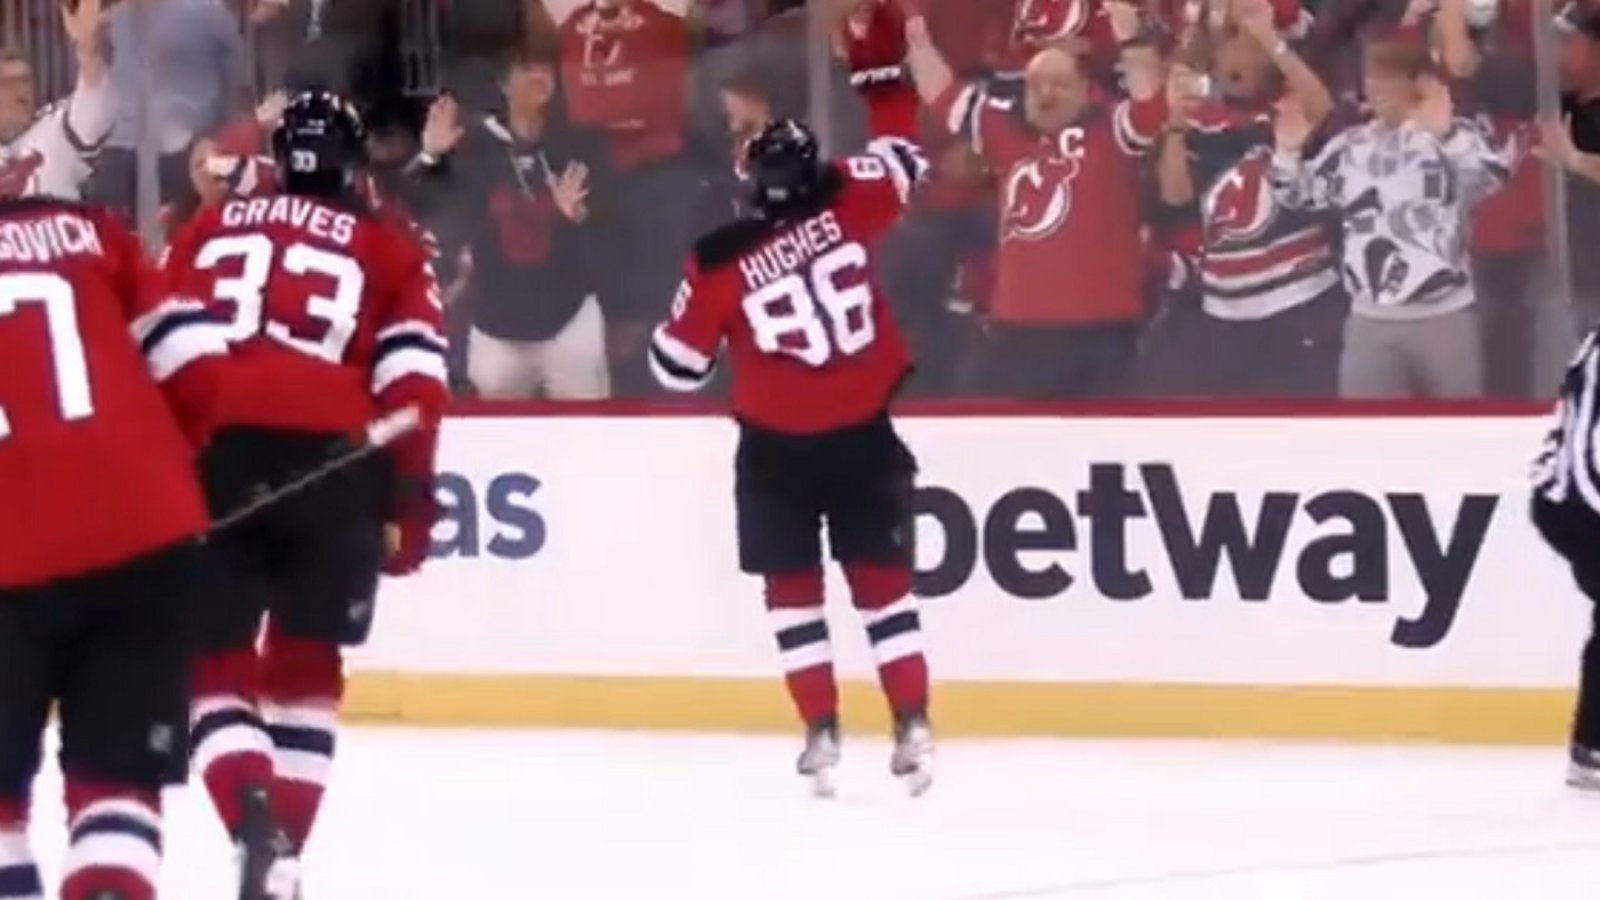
x=1383, y=551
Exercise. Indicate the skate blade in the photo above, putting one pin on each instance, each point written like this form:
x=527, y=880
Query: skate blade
x=1584, y=781
x=822, y=784
x=918, y=778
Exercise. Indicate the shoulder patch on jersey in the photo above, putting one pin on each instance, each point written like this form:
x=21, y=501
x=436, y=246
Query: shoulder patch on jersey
x=11, y=205
x=728, y=243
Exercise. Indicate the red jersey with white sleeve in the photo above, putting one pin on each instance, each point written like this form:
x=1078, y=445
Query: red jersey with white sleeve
x=334, y=315
x=102, y=379
x=812, y=344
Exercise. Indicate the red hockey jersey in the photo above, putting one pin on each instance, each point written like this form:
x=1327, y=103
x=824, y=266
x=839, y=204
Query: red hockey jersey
x=811, y=341
x=97, y=467
x=1070, y=246
x=334, y=315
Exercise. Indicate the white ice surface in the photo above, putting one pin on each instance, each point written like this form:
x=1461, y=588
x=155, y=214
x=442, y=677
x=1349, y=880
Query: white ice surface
x=475, y=815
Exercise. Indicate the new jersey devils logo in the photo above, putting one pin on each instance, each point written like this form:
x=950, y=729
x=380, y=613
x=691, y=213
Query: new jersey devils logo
x=1240, y=207
x=1042, y=21
x=524, y=224
x=1039, y=197
x=17, y=174
x=603, y=34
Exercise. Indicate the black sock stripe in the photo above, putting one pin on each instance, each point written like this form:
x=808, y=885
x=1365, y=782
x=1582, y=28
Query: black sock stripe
x=407, y=341
x=213, y=722
x=800, y=635
x=21, y=881
x=897, y=624
x=306, y=740
x=116, y=823
x=172, y=322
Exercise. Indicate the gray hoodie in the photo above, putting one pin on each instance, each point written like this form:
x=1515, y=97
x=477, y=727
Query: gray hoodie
x=177, y=62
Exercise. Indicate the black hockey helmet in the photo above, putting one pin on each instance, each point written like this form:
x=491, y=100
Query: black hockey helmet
x=319, y=144
x=784, y=164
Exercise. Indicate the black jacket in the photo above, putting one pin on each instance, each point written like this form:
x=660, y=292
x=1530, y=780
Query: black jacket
x=532, y=267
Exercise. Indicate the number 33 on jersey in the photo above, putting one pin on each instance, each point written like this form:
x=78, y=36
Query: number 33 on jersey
x=810, y=340
x=334, y=314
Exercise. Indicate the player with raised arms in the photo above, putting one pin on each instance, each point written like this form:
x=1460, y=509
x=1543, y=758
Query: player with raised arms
x=336, y=321
x=816, y=358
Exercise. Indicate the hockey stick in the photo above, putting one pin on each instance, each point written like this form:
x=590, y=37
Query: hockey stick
x=380, y=433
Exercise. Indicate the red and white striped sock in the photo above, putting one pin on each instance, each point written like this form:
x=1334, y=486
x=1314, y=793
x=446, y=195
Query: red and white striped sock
x=115, y=842
x=229, y=744
x=19, y=873
x=302, y=688
x=882, y=594
x=794, y=607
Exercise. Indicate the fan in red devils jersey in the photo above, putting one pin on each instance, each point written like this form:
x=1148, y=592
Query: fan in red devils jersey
x=1069, y=300
x=816, y=357
x=1273, y=307
x=335, y=317
x=99, y=561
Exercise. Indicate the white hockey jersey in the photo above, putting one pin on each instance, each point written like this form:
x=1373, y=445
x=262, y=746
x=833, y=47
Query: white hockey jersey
x=53, y=155
x=1405, y=196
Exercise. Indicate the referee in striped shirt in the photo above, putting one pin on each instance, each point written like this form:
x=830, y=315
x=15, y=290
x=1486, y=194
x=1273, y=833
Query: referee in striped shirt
x=1566, y=510
x=1566, y=496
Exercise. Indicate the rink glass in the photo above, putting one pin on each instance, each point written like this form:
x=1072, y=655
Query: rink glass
x=668, y=174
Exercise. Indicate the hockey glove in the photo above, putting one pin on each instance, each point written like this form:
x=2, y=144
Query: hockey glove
x=407, y=538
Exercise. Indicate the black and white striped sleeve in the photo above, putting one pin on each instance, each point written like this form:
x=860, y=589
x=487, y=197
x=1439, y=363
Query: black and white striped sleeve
x=176, y=333
x=411, y=348
x=676, y=365
x=410, y=345
x=675, y=360
x=905, y=162
x=1568, y=465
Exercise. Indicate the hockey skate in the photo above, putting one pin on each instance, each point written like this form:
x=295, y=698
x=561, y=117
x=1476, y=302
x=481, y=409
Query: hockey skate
x=820, y=757
x=1583, y=771
x=912, y=760
x=268, y=868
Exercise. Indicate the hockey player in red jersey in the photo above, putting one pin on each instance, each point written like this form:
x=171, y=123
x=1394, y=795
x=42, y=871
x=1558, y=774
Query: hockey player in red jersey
x=816, y=358
x=99, y=557
x=335, y=319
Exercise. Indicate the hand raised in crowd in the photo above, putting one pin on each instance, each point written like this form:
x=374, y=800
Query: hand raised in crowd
x=1216, y=14
x=1127, y=20
x=1436, y=110
x=571, y=191
x=1186, y=87
x=1417, y=10
x=917, y=29
x=264, y=11
x=1291, y=126
x=442, y=131
x=83, y=23
x=858, y=16
x=1555, y=145
x=1256, y=19
x=270, y=112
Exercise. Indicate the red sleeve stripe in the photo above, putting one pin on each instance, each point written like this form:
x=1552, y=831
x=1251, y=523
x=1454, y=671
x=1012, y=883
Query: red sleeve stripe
x=177, y=333
x=410, y=348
